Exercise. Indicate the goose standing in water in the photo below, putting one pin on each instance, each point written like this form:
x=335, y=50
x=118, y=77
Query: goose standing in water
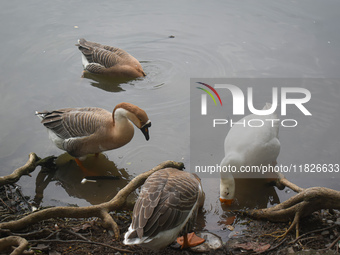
x=91, y=130
x=249, y=146
x=166, y=207
x=108, y=60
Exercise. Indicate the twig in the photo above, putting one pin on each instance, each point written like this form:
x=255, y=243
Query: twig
x=18, y=190
x=75, y=234
x=7, y=192
x=9, y=208
x=311, y=232
x=41, y=232
x=79, y=241
x=309, y=239
x=332, y=244
x=52, y=234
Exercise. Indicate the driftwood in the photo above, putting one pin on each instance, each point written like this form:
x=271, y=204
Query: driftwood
x=304, y=203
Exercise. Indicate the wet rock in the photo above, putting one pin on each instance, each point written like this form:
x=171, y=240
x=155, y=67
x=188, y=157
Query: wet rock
x=251, y=224
x=290, y=250
x=258, y=247
x=324, y=233
x=233, y=234
x=212, y=242
x=337, y=221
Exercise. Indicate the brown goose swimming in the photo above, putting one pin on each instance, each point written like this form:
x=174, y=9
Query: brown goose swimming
x=166, y=207
x=82, y=131
x=108, y=60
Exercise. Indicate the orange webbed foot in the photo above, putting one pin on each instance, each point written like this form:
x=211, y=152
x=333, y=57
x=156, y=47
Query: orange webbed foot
x=85, y=171
x=189, y=240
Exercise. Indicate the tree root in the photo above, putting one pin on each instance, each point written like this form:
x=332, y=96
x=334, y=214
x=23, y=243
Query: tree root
x=100, y=211
x=282, y=182
x=24, y=170
x=10, y=241
x=302, y=204
x=29, y=167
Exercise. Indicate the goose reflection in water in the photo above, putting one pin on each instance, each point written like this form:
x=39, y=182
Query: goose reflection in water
x=69, y=176
x=253, y=193
x=106, y=83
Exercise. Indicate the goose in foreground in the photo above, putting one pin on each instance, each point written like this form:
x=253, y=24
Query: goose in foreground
x=166, y=207
x=82, y=131
x=108, y=60
x=249, y=146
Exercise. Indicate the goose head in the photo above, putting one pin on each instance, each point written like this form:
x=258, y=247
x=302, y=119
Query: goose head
x=135, y=114
x=227, y=190
x=227, y=184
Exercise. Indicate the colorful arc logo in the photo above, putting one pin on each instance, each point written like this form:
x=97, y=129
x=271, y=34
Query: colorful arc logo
x=204, y=97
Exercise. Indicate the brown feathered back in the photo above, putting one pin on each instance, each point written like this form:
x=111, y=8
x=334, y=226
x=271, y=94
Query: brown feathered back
x=165, y=202
x=108, y=60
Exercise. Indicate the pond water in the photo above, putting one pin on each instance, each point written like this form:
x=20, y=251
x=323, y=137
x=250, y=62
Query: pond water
x=174, y=41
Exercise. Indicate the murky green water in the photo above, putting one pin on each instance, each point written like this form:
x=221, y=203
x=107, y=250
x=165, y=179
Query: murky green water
x=41, y=70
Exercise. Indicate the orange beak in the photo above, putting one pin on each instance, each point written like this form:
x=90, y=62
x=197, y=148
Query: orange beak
x=226, y=201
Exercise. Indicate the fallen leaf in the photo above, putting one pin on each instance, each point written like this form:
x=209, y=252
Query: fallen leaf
x=229, y=220
x=54, y=253
x=82, y=227
x=257, y=247
x=42, y=246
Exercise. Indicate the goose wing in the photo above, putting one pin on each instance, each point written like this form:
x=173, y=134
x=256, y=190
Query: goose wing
x=74, y=122
x=99, y=55
x=165, y=202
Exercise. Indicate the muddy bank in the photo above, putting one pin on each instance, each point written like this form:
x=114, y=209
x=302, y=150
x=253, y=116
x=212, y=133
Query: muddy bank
x=318, y=232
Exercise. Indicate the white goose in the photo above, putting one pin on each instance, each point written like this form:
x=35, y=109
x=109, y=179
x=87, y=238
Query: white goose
x=108, y=60
x=248, y=146
x=82, y=131
x=166, y=207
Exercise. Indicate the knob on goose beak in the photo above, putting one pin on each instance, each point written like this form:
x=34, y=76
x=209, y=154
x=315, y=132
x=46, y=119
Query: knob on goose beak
x=226, y=201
